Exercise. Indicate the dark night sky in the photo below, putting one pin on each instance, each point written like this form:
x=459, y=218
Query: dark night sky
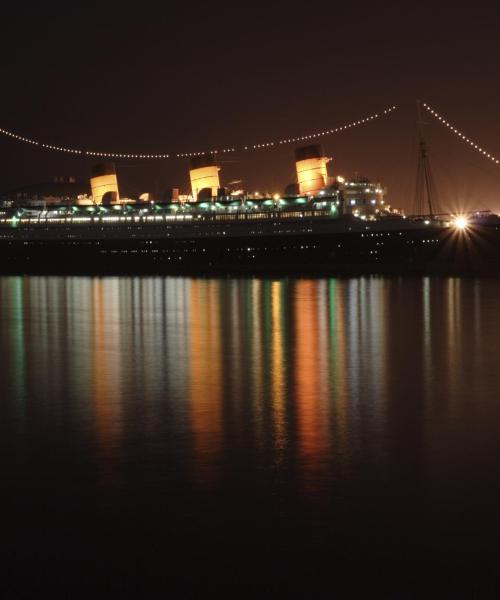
x=206, y=75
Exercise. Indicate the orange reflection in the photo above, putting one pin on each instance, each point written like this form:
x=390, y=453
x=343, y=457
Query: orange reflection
x=206, y=384
x=277, y=371
x=106, y=387
x=312, y=420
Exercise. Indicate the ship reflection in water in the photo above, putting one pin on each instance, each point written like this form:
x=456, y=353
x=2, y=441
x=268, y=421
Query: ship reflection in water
x=196, y=432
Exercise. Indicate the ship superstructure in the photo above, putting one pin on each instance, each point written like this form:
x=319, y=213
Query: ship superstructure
x=330, y=225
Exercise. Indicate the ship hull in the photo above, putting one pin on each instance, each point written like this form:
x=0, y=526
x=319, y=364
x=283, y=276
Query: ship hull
x=305, y=247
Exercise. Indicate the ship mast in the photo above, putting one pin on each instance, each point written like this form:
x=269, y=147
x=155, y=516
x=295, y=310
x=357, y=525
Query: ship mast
x=425, y=189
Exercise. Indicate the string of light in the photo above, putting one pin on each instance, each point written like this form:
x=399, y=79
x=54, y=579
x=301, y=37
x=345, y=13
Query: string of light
x=461, y=135
x=248, y=147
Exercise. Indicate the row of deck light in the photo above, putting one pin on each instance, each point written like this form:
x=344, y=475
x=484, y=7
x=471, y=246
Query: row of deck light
x=461, y=135
x=260, y=146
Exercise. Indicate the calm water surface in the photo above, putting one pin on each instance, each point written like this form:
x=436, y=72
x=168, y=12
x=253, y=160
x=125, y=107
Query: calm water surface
x=248, y=435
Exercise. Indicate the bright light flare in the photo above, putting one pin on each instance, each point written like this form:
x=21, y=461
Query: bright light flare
x=461, y=222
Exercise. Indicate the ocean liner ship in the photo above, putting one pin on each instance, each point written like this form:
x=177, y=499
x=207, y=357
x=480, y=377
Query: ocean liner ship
x=319, y=227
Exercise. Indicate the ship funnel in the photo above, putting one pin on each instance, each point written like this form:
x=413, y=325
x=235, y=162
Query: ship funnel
x=104, y=184
x=204, y=174
x=310, y=163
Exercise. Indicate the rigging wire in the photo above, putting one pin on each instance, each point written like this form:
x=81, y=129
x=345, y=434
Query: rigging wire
x=248, y=147
x=460, y=134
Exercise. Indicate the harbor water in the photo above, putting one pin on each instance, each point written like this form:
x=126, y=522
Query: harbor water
x=249, y=436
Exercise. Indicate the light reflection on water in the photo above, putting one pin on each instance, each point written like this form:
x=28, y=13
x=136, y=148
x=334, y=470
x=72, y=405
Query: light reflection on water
x=317, y=393
x=313, y=361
